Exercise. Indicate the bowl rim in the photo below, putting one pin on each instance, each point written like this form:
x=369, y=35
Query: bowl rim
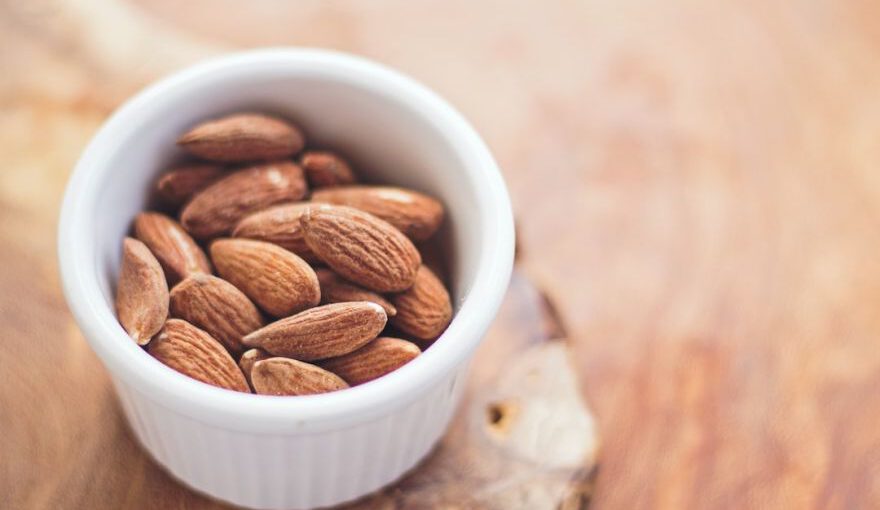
x=256, y=413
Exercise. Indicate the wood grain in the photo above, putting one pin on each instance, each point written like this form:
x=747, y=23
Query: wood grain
x=696, y=184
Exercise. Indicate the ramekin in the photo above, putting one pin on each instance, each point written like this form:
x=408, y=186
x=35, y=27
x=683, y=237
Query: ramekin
x=291, y=452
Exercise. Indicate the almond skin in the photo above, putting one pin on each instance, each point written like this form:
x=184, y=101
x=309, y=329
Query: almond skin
x=247, y=361
x=278, y=225
x=142, y=292
x=322, y=332
x=336, y=290
x=275, y=279
x=415, y=214
x=243, y=137
x=215, y=210
x=425, y=310
x=361, y=248
x=194, y=353
x=324, y=168
x=217, y=307
x=175, y=250
x=283, y=376
x=178, y=185
x=379, y=357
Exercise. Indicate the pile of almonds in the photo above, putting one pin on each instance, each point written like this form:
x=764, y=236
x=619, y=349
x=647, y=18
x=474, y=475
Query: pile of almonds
x=285, y=275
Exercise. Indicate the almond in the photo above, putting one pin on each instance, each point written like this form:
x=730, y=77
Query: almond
x=361, y=248
x=425, y=310
x=215, y=210
x=322, y=332
x=178, y=185
x=176, y=251
x=324, y=168
x=278, y=225
x=336, y=290
x=142, y=293
x=415, y=214
x=277, y=280
x=194, y=353
x=247, y=361
x=379, y=357
x=217, y=307
x=283, y=376
x=243, y=137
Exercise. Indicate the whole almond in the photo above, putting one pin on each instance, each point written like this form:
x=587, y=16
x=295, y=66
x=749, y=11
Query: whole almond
x=215, y=210
x=379, y=357
x=194, y=353
x=283, y=376
x=336, y=290
x=361, y=248
x=278, y=225
x=275, y=279
x=243, y=137
x=142, y=293
x=178, y=185
x=322, y=332
x=247, y=361
x=324, y=168
x=415, y=214
x=175, y=250
x=424, y=310
x=217, y=307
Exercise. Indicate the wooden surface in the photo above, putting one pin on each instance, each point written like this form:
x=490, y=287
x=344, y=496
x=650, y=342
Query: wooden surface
x=696, y=184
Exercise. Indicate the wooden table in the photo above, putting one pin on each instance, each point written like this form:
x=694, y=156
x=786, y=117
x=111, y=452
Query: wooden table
x=696, y=186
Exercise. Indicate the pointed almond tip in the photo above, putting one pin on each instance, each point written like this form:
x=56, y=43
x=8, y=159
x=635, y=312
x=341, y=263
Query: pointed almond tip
x=199, y=278
x=217, y=246
x=189, y=137
x=194, y=279
x=305, y=218
x=247, y=340
x=129, y=243
x=139, y=339
x=376, y=307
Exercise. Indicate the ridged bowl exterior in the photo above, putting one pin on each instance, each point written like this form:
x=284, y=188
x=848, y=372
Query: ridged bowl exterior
x=295, y=470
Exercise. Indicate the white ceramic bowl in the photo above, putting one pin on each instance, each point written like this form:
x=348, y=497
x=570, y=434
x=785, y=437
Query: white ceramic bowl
x=291, y=452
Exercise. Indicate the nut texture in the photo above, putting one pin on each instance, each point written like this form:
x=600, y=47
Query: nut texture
x=175, y=250
x=336, y=290
x=415, y=214
x=324, y=168
x=322, y=332
x=217, y=307
x=361, y=248
x=215, y=210
x=243, y=137
x=275, y=279
x=379, y=357
x=283, y=376
x=247, y=361
x=142, y=293
x=278, y=225
x=425, y=310
x=178, y=185
x=192, y=352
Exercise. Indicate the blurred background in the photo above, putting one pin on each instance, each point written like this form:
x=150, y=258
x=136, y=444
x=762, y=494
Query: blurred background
x=696, y=186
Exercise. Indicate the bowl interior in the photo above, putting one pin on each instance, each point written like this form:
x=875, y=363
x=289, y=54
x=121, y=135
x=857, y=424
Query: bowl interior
x=392, y=129
x=386, y=141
